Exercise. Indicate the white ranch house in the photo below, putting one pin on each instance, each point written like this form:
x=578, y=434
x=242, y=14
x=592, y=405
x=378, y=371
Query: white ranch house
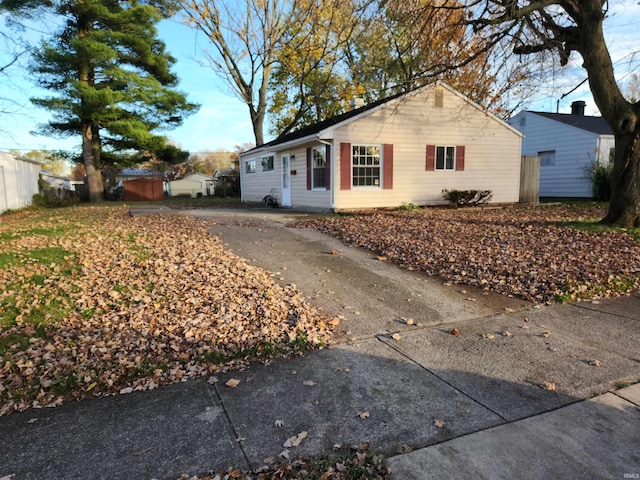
x=567, y=144
x=404, y=149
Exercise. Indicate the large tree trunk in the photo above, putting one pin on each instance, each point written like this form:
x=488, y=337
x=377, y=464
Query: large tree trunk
x=94, y=175
x=257, y=120
x=624, y=206
x=621, y=115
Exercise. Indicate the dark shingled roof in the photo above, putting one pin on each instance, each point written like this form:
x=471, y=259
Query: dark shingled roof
x=318, y=127
x=583, y=122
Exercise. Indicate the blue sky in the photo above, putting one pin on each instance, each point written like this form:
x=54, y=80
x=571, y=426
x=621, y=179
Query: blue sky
x=223, y=121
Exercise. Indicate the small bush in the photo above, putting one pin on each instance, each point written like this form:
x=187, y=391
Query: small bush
x=49, y=199
x=466, y=198
x=408, y=206
x=600, y=176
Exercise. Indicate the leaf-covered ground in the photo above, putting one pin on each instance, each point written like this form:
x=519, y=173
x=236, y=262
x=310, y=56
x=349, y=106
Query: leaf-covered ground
x=543, y=254
x=94, y=302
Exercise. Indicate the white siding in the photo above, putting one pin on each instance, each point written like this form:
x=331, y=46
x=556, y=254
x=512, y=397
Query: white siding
x=575, y=150
x=18, y=182
x=255, y=186
x=410, y=123
x=492, y=152
x=185, y=187
x=300, y=196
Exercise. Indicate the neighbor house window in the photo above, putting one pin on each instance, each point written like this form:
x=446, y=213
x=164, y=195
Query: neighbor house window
x=547, y=158
x=365, y=162
x=267, y=163
x=250, y=166
x=319, y=168
x=445, y=158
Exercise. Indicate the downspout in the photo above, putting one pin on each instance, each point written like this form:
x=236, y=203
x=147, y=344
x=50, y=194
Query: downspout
x=332, y=165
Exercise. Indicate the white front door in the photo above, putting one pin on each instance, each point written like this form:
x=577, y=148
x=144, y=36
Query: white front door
x=286, y=181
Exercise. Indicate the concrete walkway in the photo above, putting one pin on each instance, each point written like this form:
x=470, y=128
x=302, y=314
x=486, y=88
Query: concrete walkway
x=511, y=396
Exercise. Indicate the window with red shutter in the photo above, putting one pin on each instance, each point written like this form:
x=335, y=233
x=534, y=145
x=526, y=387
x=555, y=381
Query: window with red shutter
x=460, y=157
x=431, y=158
x=387, y=159
x=345, y=166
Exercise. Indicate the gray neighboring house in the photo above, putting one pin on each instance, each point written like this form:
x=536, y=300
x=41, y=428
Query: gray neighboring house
x=18, y=181
x=567, y=144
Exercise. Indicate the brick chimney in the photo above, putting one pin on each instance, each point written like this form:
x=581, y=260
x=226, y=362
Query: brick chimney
x=577, y=108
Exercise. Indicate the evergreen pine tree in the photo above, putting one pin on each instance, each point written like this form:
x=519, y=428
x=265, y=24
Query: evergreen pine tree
x=109, y=78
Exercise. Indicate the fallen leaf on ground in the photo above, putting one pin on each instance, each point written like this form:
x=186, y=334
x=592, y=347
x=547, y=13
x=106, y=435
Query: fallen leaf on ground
x=309, y=383
x=454, y=332
x=439, y=423
x=395, y=336
x=548, y=386
x=553, y=260
x=595, y=363
x=233, y=382
x=363, y=414
x=489, y=336
x=295, y=440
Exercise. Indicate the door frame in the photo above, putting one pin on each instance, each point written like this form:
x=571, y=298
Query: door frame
x=286, y=179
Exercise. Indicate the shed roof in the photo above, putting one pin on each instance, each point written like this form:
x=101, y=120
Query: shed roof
x=584, y=122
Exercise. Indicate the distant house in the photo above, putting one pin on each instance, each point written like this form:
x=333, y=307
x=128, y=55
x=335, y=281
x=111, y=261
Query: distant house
x=194, y=185
x=18, y=181
x=406, y=148
x=567, y=144
x=61, y=185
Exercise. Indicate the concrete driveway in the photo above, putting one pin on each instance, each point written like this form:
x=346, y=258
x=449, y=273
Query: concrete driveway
x=510, y=397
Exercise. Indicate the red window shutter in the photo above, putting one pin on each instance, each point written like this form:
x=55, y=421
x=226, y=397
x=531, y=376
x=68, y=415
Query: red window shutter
x=327, y=158
x=387, y=159
x=460, y=157
x=345, y=166
x=431, y=158
x=309, y=168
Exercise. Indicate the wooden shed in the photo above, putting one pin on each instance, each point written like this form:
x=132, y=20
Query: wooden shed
x=143, y=190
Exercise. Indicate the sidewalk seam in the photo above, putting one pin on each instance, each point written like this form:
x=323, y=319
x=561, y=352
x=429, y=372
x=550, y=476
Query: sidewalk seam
x=585, y=306
x=378, y=337
x=233, y=427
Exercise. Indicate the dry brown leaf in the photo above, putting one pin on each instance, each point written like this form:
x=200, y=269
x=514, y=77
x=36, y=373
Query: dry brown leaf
x=439, y=423
x=548, y=386
x=295, y=440
x=395, y=336
x=233, y=382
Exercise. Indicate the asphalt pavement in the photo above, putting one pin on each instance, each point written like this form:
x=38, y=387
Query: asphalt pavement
x=519, y=393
